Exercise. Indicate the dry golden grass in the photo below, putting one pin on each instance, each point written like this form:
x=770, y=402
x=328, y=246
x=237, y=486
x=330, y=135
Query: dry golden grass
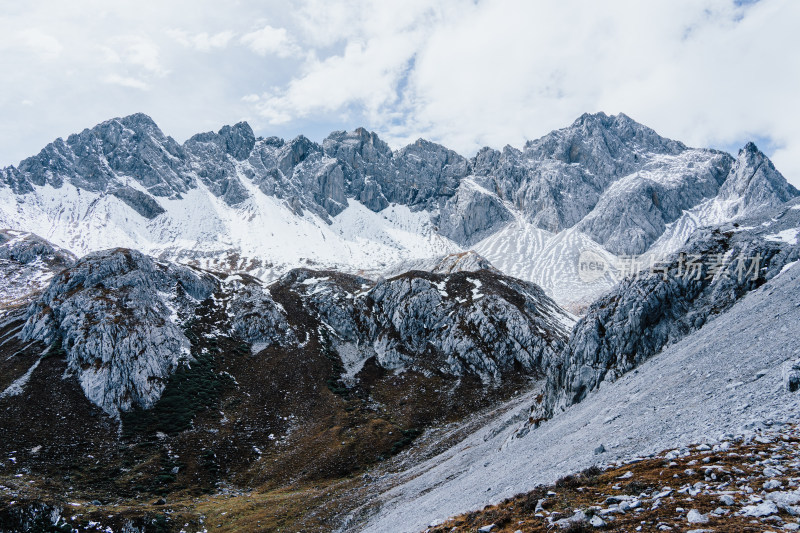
x=592, y=487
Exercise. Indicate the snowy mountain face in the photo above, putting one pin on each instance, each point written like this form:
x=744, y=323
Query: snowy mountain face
x=233, y=202
x=753, y=186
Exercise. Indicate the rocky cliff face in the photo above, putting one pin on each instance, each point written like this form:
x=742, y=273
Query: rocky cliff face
x=635, y=210
x=479, y=323
x=557, y=180
x=470, y=322
x=646, y=312
x=116, y=315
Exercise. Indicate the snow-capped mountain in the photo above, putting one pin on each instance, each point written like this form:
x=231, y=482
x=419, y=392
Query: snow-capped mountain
x=233, y=202
x=753, y=186
x=247, y=314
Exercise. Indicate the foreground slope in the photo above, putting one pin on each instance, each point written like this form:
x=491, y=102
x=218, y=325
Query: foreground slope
x=739, y=483
x=725, y=377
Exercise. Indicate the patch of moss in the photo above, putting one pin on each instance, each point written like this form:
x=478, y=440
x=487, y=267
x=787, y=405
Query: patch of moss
x=408, y=437
x=194, y=387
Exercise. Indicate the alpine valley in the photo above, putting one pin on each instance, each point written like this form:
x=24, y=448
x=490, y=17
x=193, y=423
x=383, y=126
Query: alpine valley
x=240, y=333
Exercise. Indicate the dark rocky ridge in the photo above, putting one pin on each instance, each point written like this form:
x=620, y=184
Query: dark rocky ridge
x=119, y=316
x=178, y=381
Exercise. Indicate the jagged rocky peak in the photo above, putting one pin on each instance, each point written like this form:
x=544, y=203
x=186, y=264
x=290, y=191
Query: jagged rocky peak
x=96, y=159
x=555, y=181
x=237, y=141
x=359, y=148
x=295, y=152
x=756, y=182
x=426, y=173
x=611, y=143
x=115, y=314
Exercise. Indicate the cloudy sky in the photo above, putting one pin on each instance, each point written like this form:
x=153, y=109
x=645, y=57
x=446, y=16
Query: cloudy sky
x=464, y=73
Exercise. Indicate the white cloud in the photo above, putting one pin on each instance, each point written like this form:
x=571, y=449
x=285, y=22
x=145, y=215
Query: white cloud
x=142, y=52
x=270, y=41
x=125, y=81
x=365, y=75
x=203, y=41
x=462, y=72
x=42, y=44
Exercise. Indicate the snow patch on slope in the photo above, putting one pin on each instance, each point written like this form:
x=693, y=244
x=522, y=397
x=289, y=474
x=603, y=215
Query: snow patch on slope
x=261, y=235
x=551, y=261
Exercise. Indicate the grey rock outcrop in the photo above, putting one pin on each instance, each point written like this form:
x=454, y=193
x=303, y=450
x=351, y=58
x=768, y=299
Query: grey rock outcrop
x=114, y=314
x=238, y=140
x=26, y=248
x=27, y=262
x=140, y=202
x=646, y=312
x=474, y=322
x=479, y=323
x=257, y=319
x=791, y=375
x=369, y=161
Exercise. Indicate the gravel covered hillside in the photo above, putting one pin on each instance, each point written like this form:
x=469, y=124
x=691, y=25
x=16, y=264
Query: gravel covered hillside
x=727, y=377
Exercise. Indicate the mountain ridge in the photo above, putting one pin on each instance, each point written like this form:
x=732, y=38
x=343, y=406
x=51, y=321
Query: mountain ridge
x=352, y=203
